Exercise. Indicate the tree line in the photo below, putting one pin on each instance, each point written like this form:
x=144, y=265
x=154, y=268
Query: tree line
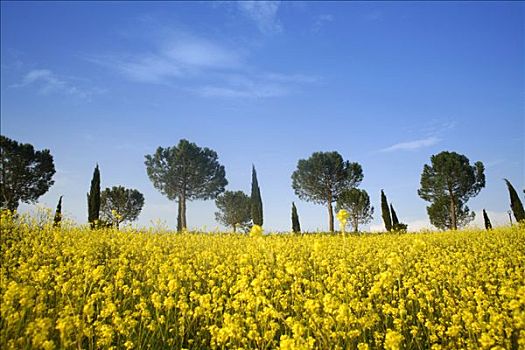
x=187, y=172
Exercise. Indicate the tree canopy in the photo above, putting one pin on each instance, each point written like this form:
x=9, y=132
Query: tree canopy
x=357, y=203
x=186, y=172
x=448, y=183
x=120, y=204
x=256, y=200
x=25, y=174
x=515, y=203
x=93, y=198
x=322, y=177
x=234, y=209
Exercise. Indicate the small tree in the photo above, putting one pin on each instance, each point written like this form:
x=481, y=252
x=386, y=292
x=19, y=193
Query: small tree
x=296, y=227
x=448, y=183
x=322, y=177
x=93, y=198
x=357, y=203
x=396, y=225
x=488, y=225
x=256, y=200
x=25, y=174
x=515, y=202
x=385, y=212
x=58, y=213
x=186, y=172
x=120, y=204
x=234, y=209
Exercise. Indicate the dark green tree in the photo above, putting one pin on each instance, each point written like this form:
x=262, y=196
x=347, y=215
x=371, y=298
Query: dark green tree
x=322, y=177
x=449, y=182
x=385, y=212
x=515, y=202
x=357, y=203
x=93, y=198
x=58, y=213
x=396, y=225
x=186, y=172
x=488, y=225
x=296, y=226
x=25, y=174
x=234, y=209
x=120, y=204
x=256, y=201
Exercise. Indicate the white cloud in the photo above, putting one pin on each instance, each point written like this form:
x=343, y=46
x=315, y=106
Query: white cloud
x=207, y=68
x=412, y=145
x=263, y=13
x=321, y=20
x=49, y=82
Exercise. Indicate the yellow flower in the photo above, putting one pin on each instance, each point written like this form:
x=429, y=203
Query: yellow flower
x=256, y=231
x=342, y=216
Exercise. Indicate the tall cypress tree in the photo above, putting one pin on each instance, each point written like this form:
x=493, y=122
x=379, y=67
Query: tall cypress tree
x=296, y=227
x=94, y=198
x=395, y=220
x=256, y=201
x=58, y=213
x=488, y=225
x=515, y=203
x=385, y=212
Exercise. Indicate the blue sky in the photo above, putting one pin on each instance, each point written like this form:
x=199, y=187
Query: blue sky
x=385, y=84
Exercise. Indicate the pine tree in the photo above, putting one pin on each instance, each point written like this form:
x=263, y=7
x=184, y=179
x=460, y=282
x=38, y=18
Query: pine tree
x=58, y=213
x=385, y=212
x=256, y=201
x=94, y=199
x=296, y=227
x=488, y=225
x=515, y=203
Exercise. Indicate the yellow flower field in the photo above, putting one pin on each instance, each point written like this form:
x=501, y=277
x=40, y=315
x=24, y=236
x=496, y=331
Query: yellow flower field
x=74, y=288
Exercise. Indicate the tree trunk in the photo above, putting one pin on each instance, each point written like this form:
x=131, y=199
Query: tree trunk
x=330, y=216
x=356, y=223
x=453, y=216
x=183, y=212
x=234, y=228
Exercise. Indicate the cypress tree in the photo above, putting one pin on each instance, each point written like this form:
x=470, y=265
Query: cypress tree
x=256, y=201
x=58, y=213
x=296, y=227
x=515, y=203
x=385, y=212
x=395, y=220
x=94, y=199
x=488, y=225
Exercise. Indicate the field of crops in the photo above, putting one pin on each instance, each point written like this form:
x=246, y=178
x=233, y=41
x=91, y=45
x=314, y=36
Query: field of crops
x=77, y=288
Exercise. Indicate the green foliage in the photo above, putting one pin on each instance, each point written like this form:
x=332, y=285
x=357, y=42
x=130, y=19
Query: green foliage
x=515, y=203
x=396, y=225
x=448, y=183
x=25, y=174
x=357, y=203
x=186, y=172
x=385, y=212
x=234, y=209
x=322, y=177
x=93, y=198
x=488, y=225
x=439, y=214
x=296, y=226
x=256, y=200
x=58, y=213
x=120, y=204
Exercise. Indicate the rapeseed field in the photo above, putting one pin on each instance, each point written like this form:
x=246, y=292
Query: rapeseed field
x=76, y=288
